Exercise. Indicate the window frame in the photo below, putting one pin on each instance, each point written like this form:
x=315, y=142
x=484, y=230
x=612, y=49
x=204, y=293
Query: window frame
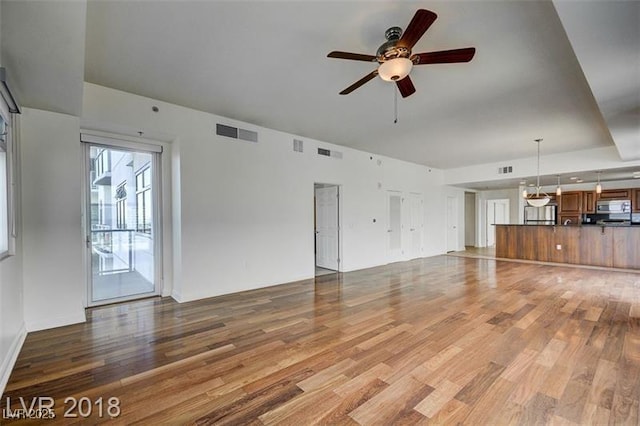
x=143, y=181
x=8, y=146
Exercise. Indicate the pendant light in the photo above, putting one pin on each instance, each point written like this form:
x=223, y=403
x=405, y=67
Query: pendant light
x=598, y=186
x=537, y=200
x=558, y=188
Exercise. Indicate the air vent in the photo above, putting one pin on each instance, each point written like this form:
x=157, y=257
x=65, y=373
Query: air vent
x=297, y=145
x=247, y=135
x=230, y=132
x=235, y=133
x=329, y=153
x=505, y=170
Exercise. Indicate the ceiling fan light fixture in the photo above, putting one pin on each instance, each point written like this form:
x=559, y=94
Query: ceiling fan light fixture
x=395, y=69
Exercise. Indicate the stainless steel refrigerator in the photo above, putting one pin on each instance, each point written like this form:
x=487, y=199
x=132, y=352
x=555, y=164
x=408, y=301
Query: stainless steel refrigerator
x=540, y=215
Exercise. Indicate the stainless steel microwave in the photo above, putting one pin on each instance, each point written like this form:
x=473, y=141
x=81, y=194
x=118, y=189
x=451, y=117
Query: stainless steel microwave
x=613, y=206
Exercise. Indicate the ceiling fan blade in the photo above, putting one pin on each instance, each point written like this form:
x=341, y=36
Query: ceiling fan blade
x=420, y=23
x=360, y=82
x=405, y=86
x=352, y=56
x=444, y=56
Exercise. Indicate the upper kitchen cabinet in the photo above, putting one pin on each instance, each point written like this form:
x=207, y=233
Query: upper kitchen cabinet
x=570, y=202
x=570, y=207
x=616, y=194
x=589, y=202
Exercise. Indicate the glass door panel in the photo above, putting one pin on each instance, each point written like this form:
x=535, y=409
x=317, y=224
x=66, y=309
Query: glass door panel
x=121, y=229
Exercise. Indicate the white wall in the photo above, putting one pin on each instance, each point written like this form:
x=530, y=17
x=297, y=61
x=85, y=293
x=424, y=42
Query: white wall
x=54, y=282
x=243, y=212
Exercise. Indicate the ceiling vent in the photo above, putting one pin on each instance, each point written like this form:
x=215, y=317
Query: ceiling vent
x=504, y=170
x=235, y=133
x=298, y=145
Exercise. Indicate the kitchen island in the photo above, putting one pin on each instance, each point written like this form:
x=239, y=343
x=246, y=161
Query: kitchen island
x=595, y=245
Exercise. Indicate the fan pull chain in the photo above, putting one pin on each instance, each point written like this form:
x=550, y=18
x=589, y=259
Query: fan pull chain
x=395, y=105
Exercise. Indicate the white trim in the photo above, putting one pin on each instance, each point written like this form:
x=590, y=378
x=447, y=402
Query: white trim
x=12, y=356
x=135, y=144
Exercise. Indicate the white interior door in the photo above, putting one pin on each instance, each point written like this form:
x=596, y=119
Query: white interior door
x=416, y=225
x=452, y=224
x=497, y=213
x=394, y=226
x=327, y=228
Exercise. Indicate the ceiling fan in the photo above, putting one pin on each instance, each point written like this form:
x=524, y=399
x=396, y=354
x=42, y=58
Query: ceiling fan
x=395, y=57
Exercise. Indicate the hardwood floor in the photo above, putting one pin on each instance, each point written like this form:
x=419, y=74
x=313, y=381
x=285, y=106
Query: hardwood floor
x=442, y=340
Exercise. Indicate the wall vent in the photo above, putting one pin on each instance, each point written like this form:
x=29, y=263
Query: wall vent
x=228, y=131
x=235, y=133
x=298, y=145
x=329, y=153
x=505, y=170
x=247, y=135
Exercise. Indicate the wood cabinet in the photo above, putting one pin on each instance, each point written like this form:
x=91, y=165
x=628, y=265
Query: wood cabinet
x=570, y=207
x=626, y=247
x=571, y=202
x=596, y=246
x=616, y=194
x=635, y=200
x=608, y=246
x=589, y=202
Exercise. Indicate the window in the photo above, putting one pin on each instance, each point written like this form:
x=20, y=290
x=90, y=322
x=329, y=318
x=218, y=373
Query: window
x=121, y=206
x=6, y=205
x=102, y=163
x=143, y=200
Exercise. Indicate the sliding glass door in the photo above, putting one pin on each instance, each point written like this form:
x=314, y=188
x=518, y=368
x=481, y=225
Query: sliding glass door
x=122, y=205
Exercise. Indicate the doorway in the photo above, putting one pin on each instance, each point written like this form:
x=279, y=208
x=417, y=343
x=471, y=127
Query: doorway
x=327, y=228
x=122, y=220
x=497, y=214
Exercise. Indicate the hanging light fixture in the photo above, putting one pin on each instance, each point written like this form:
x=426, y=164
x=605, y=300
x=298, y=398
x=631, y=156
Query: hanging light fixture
x=537, y=199
x=598, y=186
x=395, y=69
x=558, y=188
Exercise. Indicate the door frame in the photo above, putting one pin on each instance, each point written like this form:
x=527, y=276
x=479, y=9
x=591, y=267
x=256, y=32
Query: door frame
x=340, y=251
x=88, y=139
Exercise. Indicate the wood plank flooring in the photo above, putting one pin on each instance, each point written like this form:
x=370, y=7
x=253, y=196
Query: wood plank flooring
x=441, y=340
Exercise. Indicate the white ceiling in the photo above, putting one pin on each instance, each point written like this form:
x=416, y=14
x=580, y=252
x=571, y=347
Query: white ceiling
x=265, y=62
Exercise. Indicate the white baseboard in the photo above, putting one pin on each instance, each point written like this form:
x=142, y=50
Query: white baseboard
x=177, y=296
x=56, y=322
x=12, y=356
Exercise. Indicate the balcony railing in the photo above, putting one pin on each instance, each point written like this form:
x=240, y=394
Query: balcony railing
x=116, y=244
